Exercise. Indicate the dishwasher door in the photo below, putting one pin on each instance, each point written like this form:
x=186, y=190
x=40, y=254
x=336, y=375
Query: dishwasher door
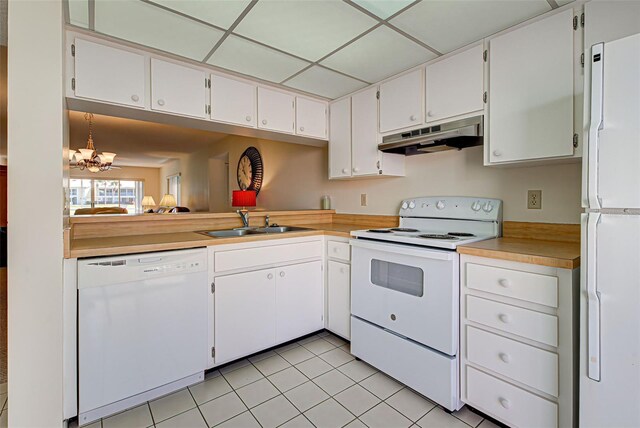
x=142, y=324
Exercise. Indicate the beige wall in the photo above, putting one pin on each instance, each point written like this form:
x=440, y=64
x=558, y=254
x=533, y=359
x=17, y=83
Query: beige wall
x=295, y=177
x=151, y=177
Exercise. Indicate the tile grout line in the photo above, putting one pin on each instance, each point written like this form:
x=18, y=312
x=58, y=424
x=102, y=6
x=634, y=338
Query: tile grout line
x=198, y=406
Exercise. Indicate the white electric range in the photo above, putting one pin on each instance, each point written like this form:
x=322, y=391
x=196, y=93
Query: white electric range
x=405, y=285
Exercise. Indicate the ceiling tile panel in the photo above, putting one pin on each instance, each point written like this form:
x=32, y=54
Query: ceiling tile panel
x=307, y=28
x=222, y=13
x=152, y=26
x=383, y=8
x=448, y=25
x=250, y=58
x=79, y=13
x=323, y=82
x=377, y=55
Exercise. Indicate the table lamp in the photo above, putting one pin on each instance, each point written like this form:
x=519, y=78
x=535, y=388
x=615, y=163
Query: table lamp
x=148, y=203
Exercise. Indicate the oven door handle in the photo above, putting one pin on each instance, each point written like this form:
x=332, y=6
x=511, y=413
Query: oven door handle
x=406, y=250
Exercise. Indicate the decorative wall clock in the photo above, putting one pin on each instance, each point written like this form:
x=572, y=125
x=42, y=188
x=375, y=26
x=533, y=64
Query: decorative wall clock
x=250, y=170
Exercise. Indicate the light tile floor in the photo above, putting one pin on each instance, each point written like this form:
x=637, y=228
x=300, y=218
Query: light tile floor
x=314, y=382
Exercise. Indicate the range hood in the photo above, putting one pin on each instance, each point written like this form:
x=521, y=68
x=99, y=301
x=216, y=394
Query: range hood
x=447, y=136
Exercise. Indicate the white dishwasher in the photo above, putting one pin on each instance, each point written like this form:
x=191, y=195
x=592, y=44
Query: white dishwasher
x=142, y=328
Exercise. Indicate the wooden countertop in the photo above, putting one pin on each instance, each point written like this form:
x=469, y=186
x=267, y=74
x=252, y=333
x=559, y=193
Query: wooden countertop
x=556, y=254
x=107, y=246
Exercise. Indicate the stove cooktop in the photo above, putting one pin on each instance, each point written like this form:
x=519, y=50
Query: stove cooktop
x=424, y=238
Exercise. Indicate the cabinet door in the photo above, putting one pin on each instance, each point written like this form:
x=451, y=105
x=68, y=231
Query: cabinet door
x=339, y=298
x=107, y=74
x=311, y=118
x=531, y=91
x=276, y=110
x=245, y=311
x=340, y=139
x=233, y=101
x=454, y=86
x=364, y=133
x=299, y=300
x=178, y=89
x=401, y=102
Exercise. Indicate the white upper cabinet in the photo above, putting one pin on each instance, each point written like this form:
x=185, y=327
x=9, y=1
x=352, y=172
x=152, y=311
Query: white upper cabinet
x=178, y=89
x=233, y=101
x=531, y=92
x=402, y=102
x=276, y=110
x=454, y=86
x=364, y=135
x=311, y=118
x=340, y=139
x=108, y=74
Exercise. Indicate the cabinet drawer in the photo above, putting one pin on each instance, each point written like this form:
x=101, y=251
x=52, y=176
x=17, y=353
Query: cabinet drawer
x=523, y=322
x=339, y=250
x=262, y=256
x=524, y=363
x=532, y=287
x=509, y=403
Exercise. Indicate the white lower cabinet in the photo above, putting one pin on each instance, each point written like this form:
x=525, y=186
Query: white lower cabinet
x=245, y=313
x=517, y=333
x=263, y=294
x=338, y=302
x=299, y=295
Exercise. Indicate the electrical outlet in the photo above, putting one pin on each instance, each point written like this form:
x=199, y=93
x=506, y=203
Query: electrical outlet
x=363, y=199
x=534, y=199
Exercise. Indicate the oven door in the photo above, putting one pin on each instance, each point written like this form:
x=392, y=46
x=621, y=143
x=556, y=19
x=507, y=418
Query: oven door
x=411, y=291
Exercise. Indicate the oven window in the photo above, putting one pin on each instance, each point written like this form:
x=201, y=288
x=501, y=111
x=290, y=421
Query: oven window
x=402, y=278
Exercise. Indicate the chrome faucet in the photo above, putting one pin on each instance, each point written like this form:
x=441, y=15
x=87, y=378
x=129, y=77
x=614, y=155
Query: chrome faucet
x=244, y=215
x=266, y=221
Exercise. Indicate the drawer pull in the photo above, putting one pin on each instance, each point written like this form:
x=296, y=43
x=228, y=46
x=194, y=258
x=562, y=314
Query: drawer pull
x=504, y=282
x=505, y=403
x=506, y=358
x=504, y=318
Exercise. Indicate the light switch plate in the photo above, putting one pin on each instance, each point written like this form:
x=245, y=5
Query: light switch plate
x=534, y=199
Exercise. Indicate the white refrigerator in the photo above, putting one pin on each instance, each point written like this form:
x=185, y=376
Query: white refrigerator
x=610, y=281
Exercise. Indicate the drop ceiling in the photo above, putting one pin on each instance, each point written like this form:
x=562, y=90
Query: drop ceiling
x=325, y=47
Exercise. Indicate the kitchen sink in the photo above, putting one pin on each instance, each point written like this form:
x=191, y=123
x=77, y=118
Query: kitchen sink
x=229, y=233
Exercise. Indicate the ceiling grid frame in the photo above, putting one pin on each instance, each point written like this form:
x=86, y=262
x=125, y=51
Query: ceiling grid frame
x=230, y=31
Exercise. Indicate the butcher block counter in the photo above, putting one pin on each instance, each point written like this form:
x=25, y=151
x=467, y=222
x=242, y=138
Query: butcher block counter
x=106, y=235
x=545, y=244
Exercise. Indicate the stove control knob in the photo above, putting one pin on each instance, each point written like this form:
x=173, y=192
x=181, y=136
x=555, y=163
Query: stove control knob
x=440, y=205
x=487, y=207
x=476, y=206
x=404, y=205
x=412, y=205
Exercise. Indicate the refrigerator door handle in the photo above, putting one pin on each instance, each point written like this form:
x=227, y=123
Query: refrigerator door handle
x=596, y=121
x=593, y=300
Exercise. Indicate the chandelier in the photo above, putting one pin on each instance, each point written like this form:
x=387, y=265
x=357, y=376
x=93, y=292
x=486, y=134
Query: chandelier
x=88, y=158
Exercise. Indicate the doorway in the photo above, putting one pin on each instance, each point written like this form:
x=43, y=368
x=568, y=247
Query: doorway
x=219, y=183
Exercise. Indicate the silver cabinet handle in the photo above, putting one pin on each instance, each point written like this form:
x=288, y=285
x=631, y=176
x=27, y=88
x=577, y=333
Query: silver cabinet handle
x=270, y=276
x=135, y=98
x=281, y=274
x=161, y=102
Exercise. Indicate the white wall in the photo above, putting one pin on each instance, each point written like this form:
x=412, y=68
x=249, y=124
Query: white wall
x=150, y=176
x=295, y=177
x=36, y=138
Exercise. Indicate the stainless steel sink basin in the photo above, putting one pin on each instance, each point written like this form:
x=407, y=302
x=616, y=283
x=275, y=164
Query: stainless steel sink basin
x=229, y=233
